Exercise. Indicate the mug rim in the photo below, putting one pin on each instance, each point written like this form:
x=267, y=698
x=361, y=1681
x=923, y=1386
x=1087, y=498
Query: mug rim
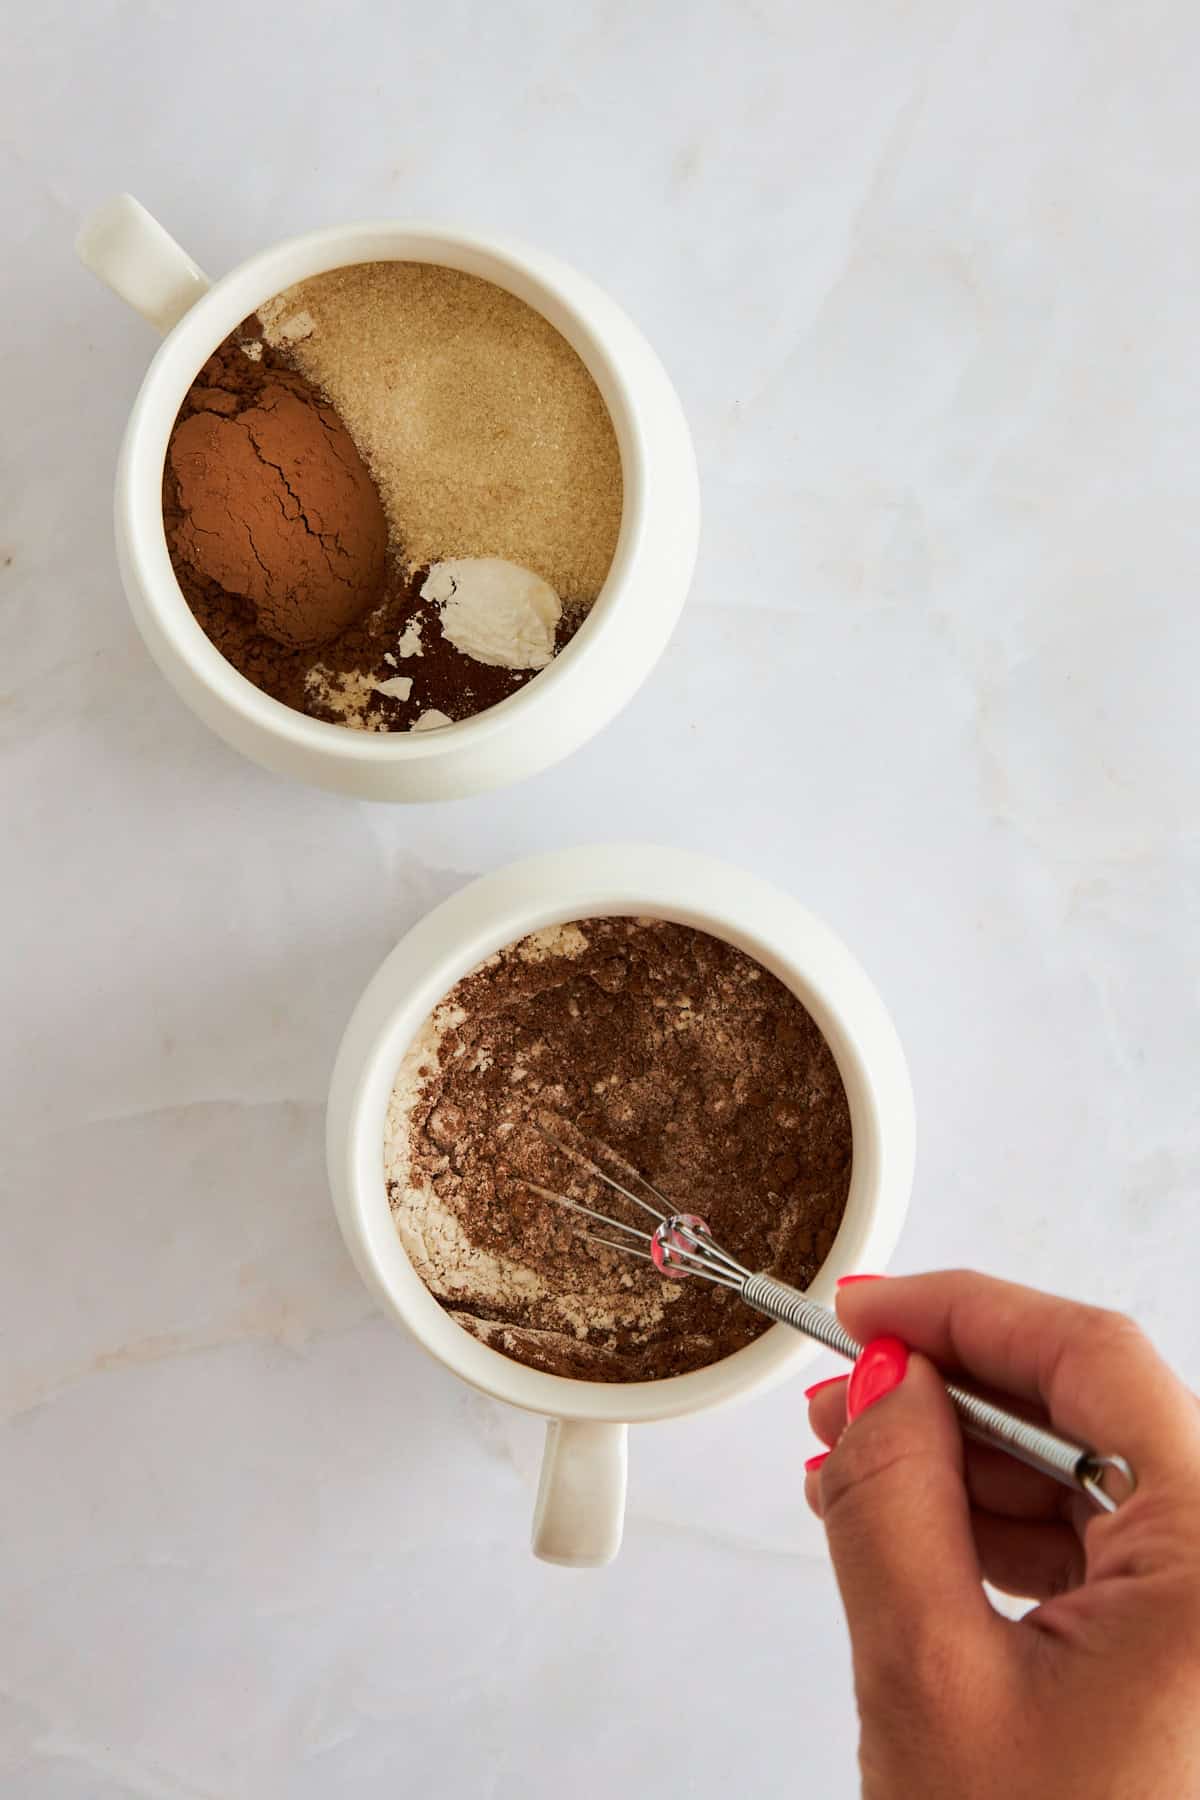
x=183, y=351
x=617, y=880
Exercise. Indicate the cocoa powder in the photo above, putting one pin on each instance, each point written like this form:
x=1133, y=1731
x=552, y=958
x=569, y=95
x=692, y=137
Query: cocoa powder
x=694, y=1065
x=274, y=503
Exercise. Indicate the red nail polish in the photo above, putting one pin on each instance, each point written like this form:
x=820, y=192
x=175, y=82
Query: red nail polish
x=847, y=1280
x=878, y=1370
x=814, y=1462
x=830, y=1381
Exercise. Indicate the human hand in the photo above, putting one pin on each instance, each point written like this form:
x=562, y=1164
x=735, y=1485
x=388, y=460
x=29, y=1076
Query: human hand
x=1094, y=1693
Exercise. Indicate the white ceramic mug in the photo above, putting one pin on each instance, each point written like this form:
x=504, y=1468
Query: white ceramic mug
x=630, y=622
x=580, y=1504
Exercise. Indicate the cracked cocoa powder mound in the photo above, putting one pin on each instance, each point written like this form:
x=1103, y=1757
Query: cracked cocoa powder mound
x=687, y=1060
x=272, y=502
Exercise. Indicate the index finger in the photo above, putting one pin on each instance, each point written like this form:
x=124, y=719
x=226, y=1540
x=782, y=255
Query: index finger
x=1097, y=1375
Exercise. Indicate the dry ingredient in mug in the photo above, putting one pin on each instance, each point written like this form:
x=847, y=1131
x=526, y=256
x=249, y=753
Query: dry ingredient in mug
x=684, y=1056
x=495, y=466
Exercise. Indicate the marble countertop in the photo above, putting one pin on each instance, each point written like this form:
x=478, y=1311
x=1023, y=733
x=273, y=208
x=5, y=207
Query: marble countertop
x=926, y=276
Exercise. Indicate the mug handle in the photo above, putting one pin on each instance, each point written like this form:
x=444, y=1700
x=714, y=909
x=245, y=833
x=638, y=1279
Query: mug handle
x=580, y=1509
x=129, y=250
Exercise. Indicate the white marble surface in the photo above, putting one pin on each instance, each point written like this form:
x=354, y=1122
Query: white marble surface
x=927, y=277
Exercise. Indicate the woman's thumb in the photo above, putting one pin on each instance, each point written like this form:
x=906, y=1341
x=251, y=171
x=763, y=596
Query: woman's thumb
x=897, y=1516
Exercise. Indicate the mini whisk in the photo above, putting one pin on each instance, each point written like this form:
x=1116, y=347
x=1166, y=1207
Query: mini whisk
x=681, y=1244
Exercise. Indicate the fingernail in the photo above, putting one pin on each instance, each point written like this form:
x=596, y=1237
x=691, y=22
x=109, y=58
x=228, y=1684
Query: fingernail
x=830, y=1381
x=814, y=1462
x=879, y=1369
x=847, y=1280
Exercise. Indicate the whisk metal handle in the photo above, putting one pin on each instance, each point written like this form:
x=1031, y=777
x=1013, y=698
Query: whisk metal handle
x=1071, y=1464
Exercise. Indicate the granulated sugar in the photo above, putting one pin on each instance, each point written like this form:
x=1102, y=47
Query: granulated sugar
x=483, y=429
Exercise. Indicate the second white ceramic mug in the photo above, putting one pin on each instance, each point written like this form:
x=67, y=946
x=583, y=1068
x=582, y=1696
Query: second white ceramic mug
x=623, y=635
x=581, y=1498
